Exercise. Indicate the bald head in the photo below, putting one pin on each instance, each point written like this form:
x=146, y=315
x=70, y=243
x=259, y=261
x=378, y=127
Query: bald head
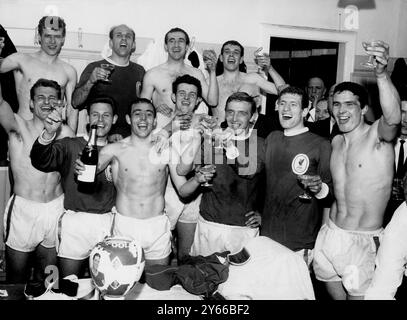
x=122, y=26
x=316, y=88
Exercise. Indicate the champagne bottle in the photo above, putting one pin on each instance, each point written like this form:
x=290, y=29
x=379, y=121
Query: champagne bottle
x=90, y=157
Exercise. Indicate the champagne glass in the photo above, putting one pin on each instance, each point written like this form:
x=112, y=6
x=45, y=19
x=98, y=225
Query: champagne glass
x=220, y=137
x=208, y=168
x=207, y=53
x=109, y=68
x=258, y=54
x=370, y=62
x=209, y=123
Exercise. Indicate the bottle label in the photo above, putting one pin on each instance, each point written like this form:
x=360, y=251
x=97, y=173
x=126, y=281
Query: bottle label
x=88, y=175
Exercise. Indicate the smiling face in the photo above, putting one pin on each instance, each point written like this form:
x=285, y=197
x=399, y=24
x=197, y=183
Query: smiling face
x=176, y=45
x=52, y=41
x=122, y=42
x=347, y=111
x=238, y=115
x=290, y=112
x=142, y=119
x=101, y=114
x=44, y=100
x=186, y=99
x=95, y=266
x=231, y=57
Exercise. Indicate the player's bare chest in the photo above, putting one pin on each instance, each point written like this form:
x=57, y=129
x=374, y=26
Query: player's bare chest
x=34, y=71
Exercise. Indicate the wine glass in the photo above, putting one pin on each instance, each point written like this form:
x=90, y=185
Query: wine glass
x=370, y=62
x=109, y=68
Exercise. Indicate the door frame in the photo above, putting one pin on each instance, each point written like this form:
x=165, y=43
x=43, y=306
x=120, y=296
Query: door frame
x=345, y=39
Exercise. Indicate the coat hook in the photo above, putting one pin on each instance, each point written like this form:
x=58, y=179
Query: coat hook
x=80, y=38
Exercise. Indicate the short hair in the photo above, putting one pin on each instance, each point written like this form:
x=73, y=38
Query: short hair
x=176, y=29
x=186, y=78
x=141, y=100
x=244, y=97
x=97, y=254
x=114, y=27
x=356, y=89
x=103, y=99
x=45, y=83
x=49, y=22
x=233, y=43
x=297, y=91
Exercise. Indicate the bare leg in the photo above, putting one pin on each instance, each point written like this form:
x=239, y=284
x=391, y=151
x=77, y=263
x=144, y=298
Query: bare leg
x=336, y=290
x=45, y=258
x=17, y=266
x=186, y=232
x=71, y=266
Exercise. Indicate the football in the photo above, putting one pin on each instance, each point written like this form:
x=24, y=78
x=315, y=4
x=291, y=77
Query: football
x=116, y=264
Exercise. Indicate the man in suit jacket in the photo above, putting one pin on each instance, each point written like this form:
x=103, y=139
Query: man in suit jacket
x=325, y=124
x=400, y=163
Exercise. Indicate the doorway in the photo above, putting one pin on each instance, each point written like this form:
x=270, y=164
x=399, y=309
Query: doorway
x=297, y=60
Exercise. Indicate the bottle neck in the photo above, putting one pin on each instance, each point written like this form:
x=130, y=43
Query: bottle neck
x=92, y=138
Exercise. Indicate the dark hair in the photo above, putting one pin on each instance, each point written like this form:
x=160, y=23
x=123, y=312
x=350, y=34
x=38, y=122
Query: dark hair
x=103, y=99
x=297, y=91
x=141, y=100
x=242, y=96
x=219, y=65
x=114, y=27
x=356, y=89
x=49, y=22
x=97, y=254
x=176, y=29
x=233, y=43
x=186, y=78
x=45, y=83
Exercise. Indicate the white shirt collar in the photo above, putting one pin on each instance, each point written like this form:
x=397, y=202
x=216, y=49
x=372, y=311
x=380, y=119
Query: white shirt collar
x=295, y=132
x=115, y=63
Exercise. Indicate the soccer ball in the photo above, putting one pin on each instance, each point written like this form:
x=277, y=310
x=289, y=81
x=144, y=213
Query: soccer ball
x=116, y=264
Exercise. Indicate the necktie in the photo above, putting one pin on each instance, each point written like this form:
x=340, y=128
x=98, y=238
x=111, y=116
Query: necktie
x=400, y=163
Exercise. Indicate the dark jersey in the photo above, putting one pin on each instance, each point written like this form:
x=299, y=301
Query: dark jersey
x=286, y=219
x=122, y=89
x=60, y=156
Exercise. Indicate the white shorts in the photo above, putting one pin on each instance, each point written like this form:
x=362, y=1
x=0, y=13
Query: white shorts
x=211, y=237
x=190, y=213
x=31, y=223
x=79, y=232
x=153, y=234
x=347, y=256
x=173, y=205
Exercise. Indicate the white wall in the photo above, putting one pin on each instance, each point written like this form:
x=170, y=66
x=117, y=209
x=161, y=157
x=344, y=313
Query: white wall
x=213, y=21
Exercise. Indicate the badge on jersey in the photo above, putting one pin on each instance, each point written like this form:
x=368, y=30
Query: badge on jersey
x=300, y=164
